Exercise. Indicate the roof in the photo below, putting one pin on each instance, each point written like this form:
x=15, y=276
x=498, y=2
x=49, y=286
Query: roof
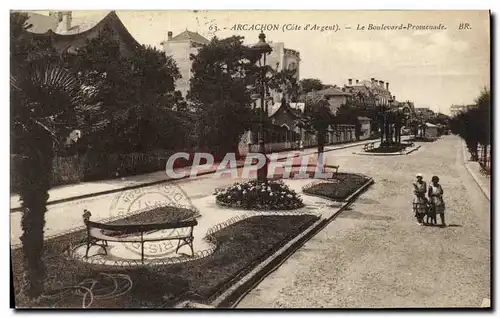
x=190, y=36
x=332, y=91
x=41, y=23
x=273, y=109
x=83, y=23
x=430, y=125
x=87, y=25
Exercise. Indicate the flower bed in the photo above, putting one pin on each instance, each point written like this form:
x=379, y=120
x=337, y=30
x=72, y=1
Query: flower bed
x=389, y=148
x=241, y=246
x=343, y=186
x=256, y=195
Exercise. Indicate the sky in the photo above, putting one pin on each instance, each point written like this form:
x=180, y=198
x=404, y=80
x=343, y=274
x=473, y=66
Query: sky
x=432, y=68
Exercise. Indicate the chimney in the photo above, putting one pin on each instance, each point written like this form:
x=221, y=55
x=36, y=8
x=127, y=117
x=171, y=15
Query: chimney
x=66, y=21
x=357, y=81
x=373, y=79
x=350, y=81
x=387, y=85
x=381, y=83
x=169, y=35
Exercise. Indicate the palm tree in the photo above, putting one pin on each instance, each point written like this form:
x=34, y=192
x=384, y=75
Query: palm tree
x=47, y=103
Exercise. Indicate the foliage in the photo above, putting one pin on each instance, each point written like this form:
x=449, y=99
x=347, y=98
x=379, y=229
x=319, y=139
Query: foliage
x=308, y=85
x=271, y=195
x=223, y=71
x=319, y=117
x=474, y=125
x=284, y=81
x=24, y=47
x=136, y=89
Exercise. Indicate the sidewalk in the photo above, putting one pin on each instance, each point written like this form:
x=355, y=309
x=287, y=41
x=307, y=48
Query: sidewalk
x=474, y=169
x=83, y=190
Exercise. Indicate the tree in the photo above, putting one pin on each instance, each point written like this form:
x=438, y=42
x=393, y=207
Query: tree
x=48, y=102
x=285, y=82
x=308, y=85
x=24, y=47
x=223, y=73
x=474, y=125
x=319, y=117
x=130, y=86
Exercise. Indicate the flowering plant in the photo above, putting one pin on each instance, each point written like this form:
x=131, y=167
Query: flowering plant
x=254, y=194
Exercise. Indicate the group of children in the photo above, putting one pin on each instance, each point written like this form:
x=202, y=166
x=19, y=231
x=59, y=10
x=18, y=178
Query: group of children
x=428, y=207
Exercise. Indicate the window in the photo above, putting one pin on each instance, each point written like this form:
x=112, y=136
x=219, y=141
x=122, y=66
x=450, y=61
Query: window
x=292, y=66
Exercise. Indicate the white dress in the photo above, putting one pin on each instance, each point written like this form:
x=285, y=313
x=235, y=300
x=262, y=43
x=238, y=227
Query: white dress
x=436, y=198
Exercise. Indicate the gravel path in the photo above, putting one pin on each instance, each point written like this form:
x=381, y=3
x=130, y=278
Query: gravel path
x=375, y=255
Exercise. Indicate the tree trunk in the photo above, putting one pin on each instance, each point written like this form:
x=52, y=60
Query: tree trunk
x=35, y=173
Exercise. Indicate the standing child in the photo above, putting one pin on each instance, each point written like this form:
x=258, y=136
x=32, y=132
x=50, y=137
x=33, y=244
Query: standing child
x=435, y=194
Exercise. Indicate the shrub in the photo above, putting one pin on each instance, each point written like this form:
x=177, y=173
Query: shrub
x=273, y=195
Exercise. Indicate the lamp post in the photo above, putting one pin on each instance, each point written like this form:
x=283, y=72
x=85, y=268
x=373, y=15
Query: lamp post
x=263, y=49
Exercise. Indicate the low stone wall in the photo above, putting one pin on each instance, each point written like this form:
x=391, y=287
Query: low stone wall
x=91, y=167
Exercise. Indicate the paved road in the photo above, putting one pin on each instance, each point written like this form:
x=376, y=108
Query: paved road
x=376, y=256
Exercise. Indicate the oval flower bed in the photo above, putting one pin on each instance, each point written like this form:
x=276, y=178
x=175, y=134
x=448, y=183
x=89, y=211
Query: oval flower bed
x=257, y=195
x=345, y=184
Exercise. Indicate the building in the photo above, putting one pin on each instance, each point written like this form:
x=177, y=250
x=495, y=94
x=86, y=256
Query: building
x=424, y=113
x=180, y=48
x=67, y=33
x=283, y=58
x=430, y=131
x=457, y=109
x=373, y=92
x=336, y=97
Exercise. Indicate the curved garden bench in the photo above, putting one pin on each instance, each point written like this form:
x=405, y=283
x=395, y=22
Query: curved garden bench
x=100, y=233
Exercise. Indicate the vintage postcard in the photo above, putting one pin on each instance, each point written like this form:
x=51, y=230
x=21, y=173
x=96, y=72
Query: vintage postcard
x=250, y=159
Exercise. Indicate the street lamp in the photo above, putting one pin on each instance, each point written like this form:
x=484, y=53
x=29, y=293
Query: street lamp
x=263, y=49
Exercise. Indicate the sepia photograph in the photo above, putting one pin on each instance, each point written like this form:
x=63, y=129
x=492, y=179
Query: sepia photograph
x=250, y=159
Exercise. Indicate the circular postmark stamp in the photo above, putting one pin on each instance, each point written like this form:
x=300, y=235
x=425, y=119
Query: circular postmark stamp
x=163, y=203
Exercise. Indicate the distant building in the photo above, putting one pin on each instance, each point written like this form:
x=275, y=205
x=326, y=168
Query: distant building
x=457, y=109
x=335, y=97
x=430, y=130
x=425, y=113
x=180, y=48
x=373, y=92
x=67, y=33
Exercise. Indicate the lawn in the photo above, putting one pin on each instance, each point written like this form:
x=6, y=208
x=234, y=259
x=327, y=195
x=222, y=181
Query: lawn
x=344, y=185
x=241, y=246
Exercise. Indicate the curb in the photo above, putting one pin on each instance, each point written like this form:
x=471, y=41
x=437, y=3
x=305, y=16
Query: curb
x=233, y=294
x=90, y=195
x=473, y=175
x=388, y=154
